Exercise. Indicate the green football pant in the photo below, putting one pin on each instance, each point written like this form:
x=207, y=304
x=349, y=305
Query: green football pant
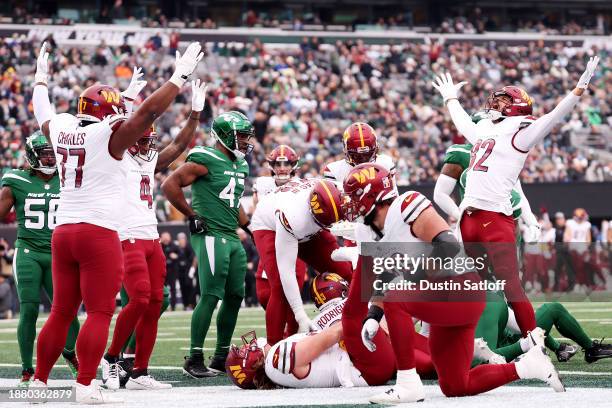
x=221, y=269
x=32, y=271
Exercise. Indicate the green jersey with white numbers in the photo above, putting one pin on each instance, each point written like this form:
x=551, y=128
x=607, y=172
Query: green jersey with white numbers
x=460, y=154
x=216, y=196
x=36, y=202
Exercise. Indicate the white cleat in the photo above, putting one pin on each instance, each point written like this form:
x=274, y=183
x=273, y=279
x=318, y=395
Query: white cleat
x=110, y=375
x=38, y=384
x=536, y=337
x=146, y=382
x=92, y=394
x=483, y=353
x=536, y=364
x=399, y=394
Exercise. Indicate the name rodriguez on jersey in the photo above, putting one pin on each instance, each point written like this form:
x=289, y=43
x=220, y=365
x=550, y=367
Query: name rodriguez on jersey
x=445, y=285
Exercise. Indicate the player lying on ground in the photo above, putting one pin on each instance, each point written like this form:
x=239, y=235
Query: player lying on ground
x=500, y=147
x=35, y=194
x=360, y=145
x=217, y=177
x=283, y=162
x=497, y=326
x=411, y=218
x=290, y=224
x=144, y=260
x=87, y=259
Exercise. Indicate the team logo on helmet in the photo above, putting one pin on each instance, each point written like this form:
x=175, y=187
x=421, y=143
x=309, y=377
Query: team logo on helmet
x=328, y=286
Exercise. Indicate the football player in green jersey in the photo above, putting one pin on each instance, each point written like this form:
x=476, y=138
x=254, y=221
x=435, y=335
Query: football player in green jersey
x=35, y=195
x=216, y=176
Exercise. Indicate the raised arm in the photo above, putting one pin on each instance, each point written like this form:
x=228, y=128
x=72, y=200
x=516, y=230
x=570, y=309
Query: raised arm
x=43, y=111
x=531, y=135
x=444, y=84
x=185, y=136
x=130, y=131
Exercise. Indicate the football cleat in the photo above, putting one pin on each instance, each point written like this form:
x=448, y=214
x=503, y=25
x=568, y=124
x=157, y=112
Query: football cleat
x=26, y=377
x=536, y=364
x=217, y=364
x=597, y=351
x=399, y=394
x=36, y=383
x=92, y=394
x=483, y=353
x=110, y=373
x=146, y=382
x=565, y=352
x=126, y=364
x=72, y=362
x=195, y=368
x=536, y=337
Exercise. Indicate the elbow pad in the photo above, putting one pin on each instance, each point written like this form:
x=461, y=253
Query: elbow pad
x=445, y=245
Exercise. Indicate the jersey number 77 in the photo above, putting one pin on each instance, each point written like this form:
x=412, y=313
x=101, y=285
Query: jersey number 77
x=79, y=154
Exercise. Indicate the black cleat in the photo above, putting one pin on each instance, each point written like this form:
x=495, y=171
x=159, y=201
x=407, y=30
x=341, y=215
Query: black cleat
x=217, y=364
x=597, y=351
x=195, y=368
x=126, y=364
x=565, y=352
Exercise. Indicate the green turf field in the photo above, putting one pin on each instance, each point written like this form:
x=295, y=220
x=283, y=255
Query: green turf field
x=173, y=342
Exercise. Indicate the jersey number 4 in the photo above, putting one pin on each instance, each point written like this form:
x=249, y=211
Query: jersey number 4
x=79, y=153
x=145, y=190
x=487, y=146
x=229, y=192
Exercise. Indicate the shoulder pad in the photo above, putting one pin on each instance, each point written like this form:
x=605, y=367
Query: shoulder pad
x=413, y=204
x=284, y=357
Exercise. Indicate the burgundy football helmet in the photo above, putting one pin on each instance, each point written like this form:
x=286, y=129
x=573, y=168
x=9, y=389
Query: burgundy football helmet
x=509, y=101
x=367, y=185
x=283, y=161
x=327, y=203
x=360, y=144
x=99, y=101
x=328, y=286
x=146, y=147
x=245, y=365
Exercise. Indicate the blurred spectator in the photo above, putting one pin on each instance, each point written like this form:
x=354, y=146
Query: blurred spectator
x=171, y=251
x=6, y=298
x=185, y=262
x=250, y=297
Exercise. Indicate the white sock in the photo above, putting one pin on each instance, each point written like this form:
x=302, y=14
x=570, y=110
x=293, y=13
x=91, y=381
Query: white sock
x=525, y=344
x=407, y=377
x=125, y=355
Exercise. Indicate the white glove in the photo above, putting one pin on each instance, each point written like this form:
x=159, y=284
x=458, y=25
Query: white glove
x=584, y=80
x=444, y=85
x=198, y=95
x=136, y=85
x=42, y=65
x=304, y=322
x=368, y=331
x=185, y=64
x=344, y=229
x=344, y=254
x=533, y=233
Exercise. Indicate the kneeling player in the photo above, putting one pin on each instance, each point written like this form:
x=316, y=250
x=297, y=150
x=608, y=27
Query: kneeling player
x=410, y=218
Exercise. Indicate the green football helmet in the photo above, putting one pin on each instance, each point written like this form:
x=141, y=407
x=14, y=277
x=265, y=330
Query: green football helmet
x=480, y=115
x=233, y=130
x=40, y=154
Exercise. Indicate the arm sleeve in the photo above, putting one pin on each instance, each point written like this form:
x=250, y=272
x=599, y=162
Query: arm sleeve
x=129, y=107
x=526, y=214
x=43, y=111
x=528, y=137
x=286, y=255
x=442, y=195
x=462, y=120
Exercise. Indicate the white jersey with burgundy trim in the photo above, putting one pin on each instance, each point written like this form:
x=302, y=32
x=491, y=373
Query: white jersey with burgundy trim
x=495, y=164
x=91, y=180
x=330, y=313
x=138, y=216
x=291, y=205
x=264, y=185
x=338, y=170
x=333, y=368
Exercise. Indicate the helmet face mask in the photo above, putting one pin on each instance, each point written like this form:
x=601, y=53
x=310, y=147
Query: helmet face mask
x=40, y=154
x=367, y=185
x=508, y=101
x=283, y=162
x=146, y=148
x=360, y=144
x=245, y=365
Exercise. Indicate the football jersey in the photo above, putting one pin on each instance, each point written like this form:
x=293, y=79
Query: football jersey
x=515, y=197
x=495, y=165
x=580, y=234
x=139, y=220
x=290, y=203
x=330, y=312
x=330, y=369
x=338, y=170
x=216, y=196
x=36, y=202
x=403, y=211
x=91, y=180
x=264, y=186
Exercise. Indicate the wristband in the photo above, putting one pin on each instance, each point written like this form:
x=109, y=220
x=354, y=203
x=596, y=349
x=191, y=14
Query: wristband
x=374, y=312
